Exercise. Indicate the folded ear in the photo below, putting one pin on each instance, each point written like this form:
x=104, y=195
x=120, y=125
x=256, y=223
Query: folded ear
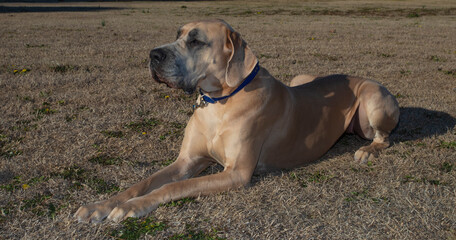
x=241, y=62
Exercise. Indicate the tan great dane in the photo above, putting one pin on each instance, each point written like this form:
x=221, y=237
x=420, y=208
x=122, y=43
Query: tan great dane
x=246, y=120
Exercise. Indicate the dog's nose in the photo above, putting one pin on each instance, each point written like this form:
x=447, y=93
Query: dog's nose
x=157, y=55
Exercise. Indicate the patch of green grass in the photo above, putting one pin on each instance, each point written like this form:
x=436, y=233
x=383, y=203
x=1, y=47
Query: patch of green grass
x=73, y=116
x=105, y=160
x=175, y=131
x=405, y=72
x=177, y=125
x=113, y=134
x=70, y=117
x=449, y=145
x=179, y=203
x=448, y=72
x=164, y=136
x=72, y=173
x=192, y=234
x=143, y=125
x=41, y=205
x=14, y=185
x=409, y=178
x=10, y=152
x=79, y=177
x=318, y=176
x=45, y=109
x=25, y=98
x=354, y=196
x=436, y=58
x=24, y=125
x=415, y=143
x=134, y=228
x=447, y=167
x=45, y=94
x=101, y=186
x=142, y=112
x=35, y=201
x=433, y=182
x=413, y=15
x=103, y=23
x=39, y=179
x=18, y=183
x=98, y=147
x=5, y=210
x=305, y=179
x=8, y=146
x=3, y=138
x=52, y=210
x=63, y=68
x=167, y=162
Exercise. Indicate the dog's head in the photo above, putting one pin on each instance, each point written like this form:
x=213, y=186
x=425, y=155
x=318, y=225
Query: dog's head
x=206, y=54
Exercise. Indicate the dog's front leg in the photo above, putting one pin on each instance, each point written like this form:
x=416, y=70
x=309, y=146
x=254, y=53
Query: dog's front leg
x=182, y=168
x=140, y=206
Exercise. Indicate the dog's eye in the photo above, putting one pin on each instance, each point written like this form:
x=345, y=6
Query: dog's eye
x=195, y=43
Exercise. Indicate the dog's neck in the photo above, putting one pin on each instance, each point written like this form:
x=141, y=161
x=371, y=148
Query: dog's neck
x=205, y=99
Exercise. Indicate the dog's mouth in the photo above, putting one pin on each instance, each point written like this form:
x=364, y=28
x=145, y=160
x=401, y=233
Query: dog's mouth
x=158, y=78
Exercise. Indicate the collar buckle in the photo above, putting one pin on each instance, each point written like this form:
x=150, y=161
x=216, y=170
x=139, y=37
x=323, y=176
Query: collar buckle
x=200, y=103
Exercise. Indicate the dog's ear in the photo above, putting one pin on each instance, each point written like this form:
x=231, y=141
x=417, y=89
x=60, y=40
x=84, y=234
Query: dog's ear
x=241, y=62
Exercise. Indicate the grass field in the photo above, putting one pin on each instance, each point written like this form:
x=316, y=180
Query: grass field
x=81, y=119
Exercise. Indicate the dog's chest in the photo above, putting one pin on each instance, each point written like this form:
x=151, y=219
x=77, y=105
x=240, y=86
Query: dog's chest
x=216, y=149
x=212, y=128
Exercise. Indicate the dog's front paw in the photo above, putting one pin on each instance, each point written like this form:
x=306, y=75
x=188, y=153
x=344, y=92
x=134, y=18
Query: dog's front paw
x=93, y=213
x=132, y=208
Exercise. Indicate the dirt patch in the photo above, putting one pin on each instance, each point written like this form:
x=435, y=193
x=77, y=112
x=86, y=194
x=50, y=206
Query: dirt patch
x=81, y=119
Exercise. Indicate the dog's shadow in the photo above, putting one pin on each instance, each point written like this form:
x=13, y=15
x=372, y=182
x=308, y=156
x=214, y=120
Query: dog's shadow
x=414, y=124
x=419, y=123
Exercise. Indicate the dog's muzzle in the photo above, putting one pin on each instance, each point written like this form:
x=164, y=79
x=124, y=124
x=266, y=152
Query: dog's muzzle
x=157, y=56
x=164, y=69
x=161, y=60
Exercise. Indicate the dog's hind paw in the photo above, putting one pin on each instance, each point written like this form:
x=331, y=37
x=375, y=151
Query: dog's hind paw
x=369, y=153
x=362, y=156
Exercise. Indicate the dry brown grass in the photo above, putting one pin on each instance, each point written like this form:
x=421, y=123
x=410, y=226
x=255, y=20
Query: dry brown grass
x=72, y=124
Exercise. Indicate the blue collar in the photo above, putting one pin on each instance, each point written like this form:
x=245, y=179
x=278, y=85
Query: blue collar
x=204, y=100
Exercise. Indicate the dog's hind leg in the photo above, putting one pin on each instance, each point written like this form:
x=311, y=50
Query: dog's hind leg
x=378, y=115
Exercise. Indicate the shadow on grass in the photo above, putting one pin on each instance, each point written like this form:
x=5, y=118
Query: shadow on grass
x=419, y=123
x=6, y=176
x=414, y=124
x=19, y=9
